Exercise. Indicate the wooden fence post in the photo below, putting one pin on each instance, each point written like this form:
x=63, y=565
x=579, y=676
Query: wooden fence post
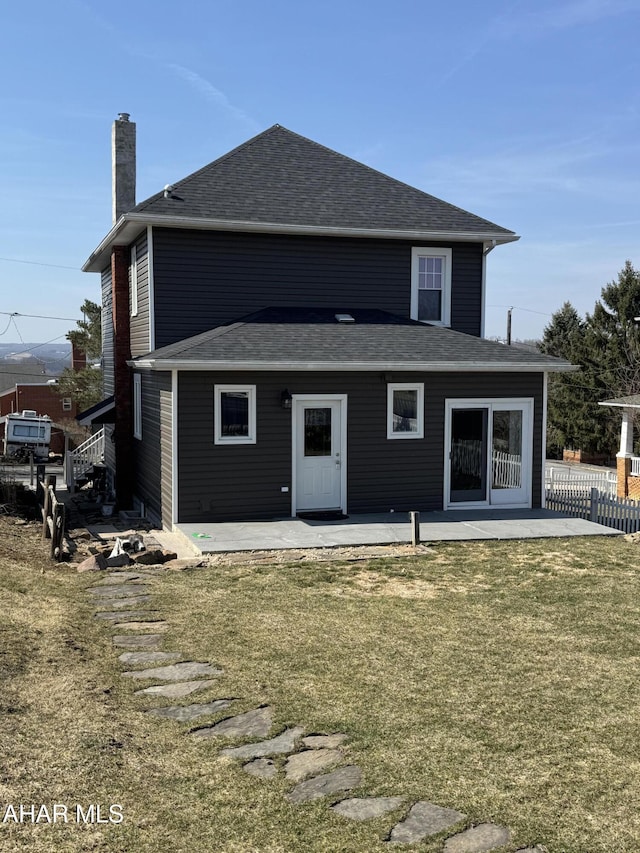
x=46, y=508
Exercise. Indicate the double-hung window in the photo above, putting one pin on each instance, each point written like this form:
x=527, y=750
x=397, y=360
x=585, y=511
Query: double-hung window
x=134, y=281
x=405, y=410
x=235, y=414
x=431, y=285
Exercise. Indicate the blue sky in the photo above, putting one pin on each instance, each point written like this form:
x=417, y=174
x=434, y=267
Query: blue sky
x=526, y=113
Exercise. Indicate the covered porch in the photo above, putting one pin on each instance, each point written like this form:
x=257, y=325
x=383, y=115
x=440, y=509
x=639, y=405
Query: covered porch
x=627, y=464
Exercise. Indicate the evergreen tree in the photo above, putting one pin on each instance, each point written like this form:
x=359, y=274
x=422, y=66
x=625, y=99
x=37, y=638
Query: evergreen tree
x=85, y=386
x=606, y=346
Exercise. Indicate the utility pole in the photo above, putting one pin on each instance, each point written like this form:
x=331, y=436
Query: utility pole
x=509, y=326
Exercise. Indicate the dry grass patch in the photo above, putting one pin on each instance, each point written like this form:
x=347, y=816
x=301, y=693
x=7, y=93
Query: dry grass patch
x=495, y=678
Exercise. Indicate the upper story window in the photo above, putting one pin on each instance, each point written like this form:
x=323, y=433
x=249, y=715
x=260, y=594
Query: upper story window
x=66, y=404
x=134, y=281
x=235, y=414
x=431, y=285
x=137, y=406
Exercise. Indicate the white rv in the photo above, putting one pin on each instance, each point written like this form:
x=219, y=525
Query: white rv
x=27, y=431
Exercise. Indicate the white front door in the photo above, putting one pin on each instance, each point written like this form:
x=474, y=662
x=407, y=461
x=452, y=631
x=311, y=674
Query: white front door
x=318, y=454
x=489, y=450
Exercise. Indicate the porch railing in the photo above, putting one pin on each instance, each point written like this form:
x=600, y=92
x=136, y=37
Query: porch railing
x=635, y=466
x=77, y=462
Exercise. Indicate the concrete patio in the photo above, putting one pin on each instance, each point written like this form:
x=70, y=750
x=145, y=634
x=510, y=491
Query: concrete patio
x=385, y=529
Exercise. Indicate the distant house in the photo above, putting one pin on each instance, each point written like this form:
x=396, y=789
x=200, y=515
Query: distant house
x=288, y=331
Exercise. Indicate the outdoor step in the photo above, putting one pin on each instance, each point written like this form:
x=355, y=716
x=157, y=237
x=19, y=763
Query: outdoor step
x=124, y=590
x=263, y=768
x=478, y=839
x=133, y=658
x=311, y=762
x=176, y=690
x=342, y=779
x=424, y=819
x=122, y=616
x=185, y=713
x=280, y=745
x=144, y=641
x=175, y=672
x=256, y=723
x=142, y=626
x=119, y=603
x=366, y=808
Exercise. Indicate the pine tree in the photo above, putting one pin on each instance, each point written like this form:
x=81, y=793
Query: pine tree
x=84, y=386
x=606, y=346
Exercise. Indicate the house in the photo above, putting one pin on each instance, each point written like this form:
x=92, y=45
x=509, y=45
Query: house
x=29, y=391
x=289, y=331
x=627, y=465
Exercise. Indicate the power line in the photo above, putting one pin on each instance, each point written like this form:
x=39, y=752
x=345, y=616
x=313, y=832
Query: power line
x=37, y=316
x=39, y=264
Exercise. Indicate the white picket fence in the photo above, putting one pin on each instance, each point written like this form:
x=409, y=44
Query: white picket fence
x=569, y=480
x=506, y=470
x=592, y=504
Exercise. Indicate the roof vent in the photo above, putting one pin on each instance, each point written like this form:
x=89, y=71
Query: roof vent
x=344, y=318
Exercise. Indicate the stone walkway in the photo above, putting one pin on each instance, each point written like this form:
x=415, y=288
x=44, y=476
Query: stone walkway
x=312, y=763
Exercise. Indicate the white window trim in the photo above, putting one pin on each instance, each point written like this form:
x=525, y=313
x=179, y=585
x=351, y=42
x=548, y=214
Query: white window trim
x=405, y=386
x=137, y=406
x=218, y=438
x=134, y=281
x=67, y=404
x=432, y=252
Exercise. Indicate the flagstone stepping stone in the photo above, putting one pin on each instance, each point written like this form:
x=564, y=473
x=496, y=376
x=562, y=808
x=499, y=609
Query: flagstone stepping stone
x=366, y=808
x=424, y=819
x=324, y=741
x=118, y=616
x=134, y=601
x=342, y=779
x=184, y=713
x=311, y=762
x=536, y=849
x=134, y=658
x=256, y=723
x=143, y=641
x=478, y=839
x=264, y=768
x=177, y=690
x=175, y=672
x=113, y=577
x=280, y=745
x=123, y=590
x=142, y=626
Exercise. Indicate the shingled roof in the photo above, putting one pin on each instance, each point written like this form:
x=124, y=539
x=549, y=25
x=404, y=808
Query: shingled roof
x=311, y=339
x=280, y=180
x=281, y=177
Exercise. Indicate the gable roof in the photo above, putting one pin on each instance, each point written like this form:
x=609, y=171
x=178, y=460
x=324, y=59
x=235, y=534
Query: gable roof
x=281, y=181
x=313, y=339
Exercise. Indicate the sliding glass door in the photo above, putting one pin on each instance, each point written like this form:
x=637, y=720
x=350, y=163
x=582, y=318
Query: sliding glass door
x=489, y=450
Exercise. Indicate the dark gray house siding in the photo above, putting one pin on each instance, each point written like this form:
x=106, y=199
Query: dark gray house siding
x=139, y=323
x=107, y=332
x=218, y=483
x=152, y=454
x=219, y=276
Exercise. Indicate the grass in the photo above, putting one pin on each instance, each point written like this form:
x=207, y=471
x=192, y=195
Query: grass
x=499, y=679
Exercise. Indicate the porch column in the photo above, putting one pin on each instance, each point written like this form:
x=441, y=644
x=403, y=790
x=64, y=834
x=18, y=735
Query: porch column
x=623, y=457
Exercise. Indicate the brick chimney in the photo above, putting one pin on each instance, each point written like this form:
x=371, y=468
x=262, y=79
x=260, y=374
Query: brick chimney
x=78, y=358
x=123, y=160
x=123, y=165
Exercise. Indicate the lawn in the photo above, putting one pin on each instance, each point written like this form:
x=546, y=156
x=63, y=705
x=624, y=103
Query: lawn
x=498, y=679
